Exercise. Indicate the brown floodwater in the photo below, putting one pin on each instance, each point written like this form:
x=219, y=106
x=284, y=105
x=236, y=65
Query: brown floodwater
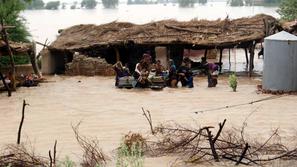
x=108, y=113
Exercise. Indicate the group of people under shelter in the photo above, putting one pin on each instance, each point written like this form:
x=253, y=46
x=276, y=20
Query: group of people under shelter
x=152, y=74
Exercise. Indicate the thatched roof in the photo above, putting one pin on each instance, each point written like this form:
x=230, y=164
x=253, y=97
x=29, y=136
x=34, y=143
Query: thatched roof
x=16, y=47
x=194, y=33
x=291, y=27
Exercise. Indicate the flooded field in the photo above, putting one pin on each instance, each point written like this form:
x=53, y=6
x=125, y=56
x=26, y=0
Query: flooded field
x=108, y=113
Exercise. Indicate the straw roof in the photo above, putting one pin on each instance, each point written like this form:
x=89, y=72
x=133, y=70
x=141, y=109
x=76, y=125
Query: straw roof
x=291, y=27
x=16, y=47
x=194, y=33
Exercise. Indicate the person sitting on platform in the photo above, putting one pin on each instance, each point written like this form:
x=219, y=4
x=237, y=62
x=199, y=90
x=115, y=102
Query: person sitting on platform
x=120, y=72
x=159, y=68
x=212, y=76
x=185, y=75
x=142, y=71
x=172, y=76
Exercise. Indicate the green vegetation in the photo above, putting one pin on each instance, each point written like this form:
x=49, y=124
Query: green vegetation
x=142, y=2
x=130, y=156
x=73, y=6
x=233, y=82
x=186, y=3
x=202, y=1
x=88, y=4
x=9, y=15
x=236, y=2
x=67, y=162
x=52, y=5
x=110, y=3
x=18, y=59
x=288, y=9
x=35, y=4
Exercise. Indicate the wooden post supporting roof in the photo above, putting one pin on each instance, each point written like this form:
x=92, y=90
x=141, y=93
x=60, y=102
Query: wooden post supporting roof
x=252, y=54
x=118, y=57
x=205, y=54
x=32, y=56
x=246, y=57
x=220, y=61
x=5, y=38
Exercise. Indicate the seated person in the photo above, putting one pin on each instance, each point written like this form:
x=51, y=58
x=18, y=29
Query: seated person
x=120, y=72
x=159, y=68
x=172, y=76
x=141, y=74
x=212, y=76
x=29, y=81
x=185, y=75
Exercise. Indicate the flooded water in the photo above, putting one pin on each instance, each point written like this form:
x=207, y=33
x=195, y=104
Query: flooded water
x=44, y=24
x=108, y=113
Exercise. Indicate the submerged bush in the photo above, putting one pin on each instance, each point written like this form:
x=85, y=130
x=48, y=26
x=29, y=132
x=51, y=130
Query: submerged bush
x=88, y=4
x=35, y=4
x=52, y=5
x=233, y=82
x=235, y=2
x=186, y=3
x=110, y=3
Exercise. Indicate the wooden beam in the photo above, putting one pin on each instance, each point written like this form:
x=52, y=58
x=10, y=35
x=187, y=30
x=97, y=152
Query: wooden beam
x=205, y=54
x=220, y=61
x=246, y=57
x=118, y=57
x=252, y=54
x=5, y=38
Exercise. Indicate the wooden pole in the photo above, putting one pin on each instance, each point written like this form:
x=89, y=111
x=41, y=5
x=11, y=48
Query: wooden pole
x=5, y=84
x=220, y=61
x=229, y=59
x=32, y=56
x=5, y=38
x=252, y=53
x=246, y=57
x=117, y=54
x=21, y=123
x=205, y=54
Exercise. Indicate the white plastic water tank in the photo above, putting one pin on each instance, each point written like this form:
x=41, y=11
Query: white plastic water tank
x=280, y=62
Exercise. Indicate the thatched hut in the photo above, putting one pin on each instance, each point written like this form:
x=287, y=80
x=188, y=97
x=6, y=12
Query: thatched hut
x=22, y=49
x=127, y=42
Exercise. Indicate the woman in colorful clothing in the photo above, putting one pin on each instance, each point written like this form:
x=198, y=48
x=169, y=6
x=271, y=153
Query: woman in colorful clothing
x=172, y=76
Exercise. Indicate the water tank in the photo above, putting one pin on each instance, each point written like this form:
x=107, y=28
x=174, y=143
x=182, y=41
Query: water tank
x=280, y=62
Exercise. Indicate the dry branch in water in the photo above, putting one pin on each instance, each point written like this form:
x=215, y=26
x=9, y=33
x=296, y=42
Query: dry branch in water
x=21, y=123
x=20, y=156
x=148, y=117
x=92, y=154
x=199, y=145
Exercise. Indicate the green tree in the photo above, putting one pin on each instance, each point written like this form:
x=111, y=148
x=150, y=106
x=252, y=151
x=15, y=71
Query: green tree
x=10, y=15
x=186, y=3
x=110, y=3
x=288, y=9
x=88, y=4
x=272, y=1
x=202, y=1
x=235, y=2
x=35, y=4
x=52, y=5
